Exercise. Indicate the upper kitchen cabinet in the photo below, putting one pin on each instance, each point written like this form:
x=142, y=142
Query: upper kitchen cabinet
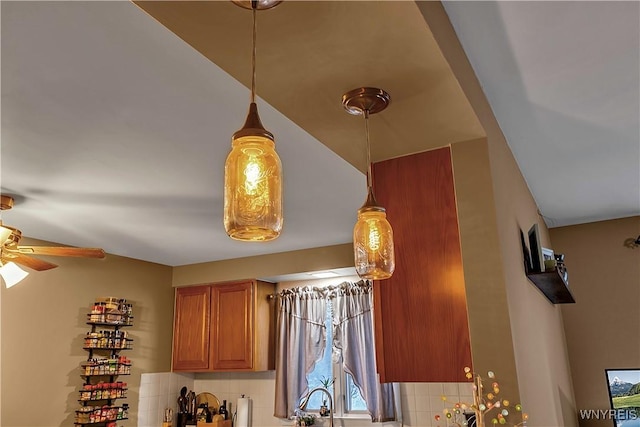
x=422, y=328
x=231, y=328
x=191, y=325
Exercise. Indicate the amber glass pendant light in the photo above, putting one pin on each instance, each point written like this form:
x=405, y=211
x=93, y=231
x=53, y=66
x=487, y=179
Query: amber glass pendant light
x=253, y=172
x=372, y=235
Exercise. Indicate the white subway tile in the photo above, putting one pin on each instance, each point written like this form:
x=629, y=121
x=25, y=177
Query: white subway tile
x=408, y=402
x=143, y=404
x=422, y=403
x=408, y=389
x=436, y=389
x=163, y=403
x=145, y=390
x=466, y=388
x=436, y=404
x=409, y=418
x=422, y=418
x=143, y=419
x=153, y=410
x=467, y=398
x=163, y=382
x=145, y=378
x=451, y=389
x=154, y=377
x=422, y=389
x=441, y=422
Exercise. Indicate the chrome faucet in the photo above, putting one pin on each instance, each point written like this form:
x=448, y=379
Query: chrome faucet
x=305, y=401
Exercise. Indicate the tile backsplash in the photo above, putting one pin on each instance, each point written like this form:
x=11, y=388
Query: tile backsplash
x=421, y=402
x=157, y=392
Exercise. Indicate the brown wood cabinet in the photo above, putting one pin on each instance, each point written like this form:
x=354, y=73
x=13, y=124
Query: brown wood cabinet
x=191, y=328
x=224, y=327
x=422, y=328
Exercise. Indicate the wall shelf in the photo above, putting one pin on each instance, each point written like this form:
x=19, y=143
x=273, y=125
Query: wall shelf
x=105, y=364
x=553, y=286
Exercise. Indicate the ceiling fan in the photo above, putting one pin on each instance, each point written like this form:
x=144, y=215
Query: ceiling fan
x=11, y=251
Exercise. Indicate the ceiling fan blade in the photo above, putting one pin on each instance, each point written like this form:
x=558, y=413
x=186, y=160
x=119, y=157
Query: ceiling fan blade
x=62, y=251
x=27, y=261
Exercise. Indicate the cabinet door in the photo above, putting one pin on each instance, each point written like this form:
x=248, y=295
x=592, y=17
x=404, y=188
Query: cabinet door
x=232, y=326
x=422, y=331
x=191, y=329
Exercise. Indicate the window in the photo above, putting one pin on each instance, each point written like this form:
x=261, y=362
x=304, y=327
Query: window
x=349, y=400
x=303, y=325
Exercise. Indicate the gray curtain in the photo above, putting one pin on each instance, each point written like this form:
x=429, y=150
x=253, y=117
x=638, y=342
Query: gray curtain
x=353, y=336
x=301, y=342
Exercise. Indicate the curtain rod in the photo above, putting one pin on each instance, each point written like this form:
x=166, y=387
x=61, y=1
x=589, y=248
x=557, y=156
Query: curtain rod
x=360, y=283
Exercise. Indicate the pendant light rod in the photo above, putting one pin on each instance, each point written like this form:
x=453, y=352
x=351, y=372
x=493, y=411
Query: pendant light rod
x=254, y=9
x=369, y=171
x=260, y=4
x=365, y=101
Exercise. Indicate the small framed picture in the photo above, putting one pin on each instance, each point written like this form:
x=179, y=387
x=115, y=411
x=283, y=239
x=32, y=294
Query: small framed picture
x=537, y=262
x=548, y=260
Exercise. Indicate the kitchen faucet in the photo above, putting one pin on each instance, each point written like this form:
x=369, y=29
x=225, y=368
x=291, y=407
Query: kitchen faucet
x=305, y=401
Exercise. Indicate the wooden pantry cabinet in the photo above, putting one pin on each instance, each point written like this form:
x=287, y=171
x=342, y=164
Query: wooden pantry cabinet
x=422, y=328
x=224, y=327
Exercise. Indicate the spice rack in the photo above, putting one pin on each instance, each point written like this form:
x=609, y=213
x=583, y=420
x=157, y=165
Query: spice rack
x=102, y=387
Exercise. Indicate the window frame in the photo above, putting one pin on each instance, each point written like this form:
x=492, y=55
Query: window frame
x=340, y=406
x=339, y=388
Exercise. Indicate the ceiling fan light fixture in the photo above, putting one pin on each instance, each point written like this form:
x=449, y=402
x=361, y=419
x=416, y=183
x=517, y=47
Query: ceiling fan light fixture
x=11, y=252
x=12, y=274
x=5, y=233
x=253, y=209
x=373, y=248
x=6, y=202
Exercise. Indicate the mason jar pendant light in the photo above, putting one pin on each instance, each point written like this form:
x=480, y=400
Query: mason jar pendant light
x=253, y=172
x=372, y=234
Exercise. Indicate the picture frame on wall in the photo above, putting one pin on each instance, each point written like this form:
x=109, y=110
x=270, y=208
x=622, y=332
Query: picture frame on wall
x=537, y=260
x=525, y=253
x=548, y=259
x=547, y=254
x=624, y=394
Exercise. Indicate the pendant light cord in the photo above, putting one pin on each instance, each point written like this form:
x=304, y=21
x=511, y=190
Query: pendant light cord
x=254, y=7
x=366, y=131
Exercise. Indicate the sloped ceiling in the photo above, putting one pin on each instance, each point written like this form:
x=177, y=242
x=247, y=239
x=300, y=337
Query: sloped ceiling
x=117, y=116
x=563, y=80
x=115, y=130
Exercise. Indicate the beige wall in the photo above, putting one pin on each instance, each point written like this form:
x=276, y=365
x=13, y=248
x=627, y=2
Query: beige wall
x=43, y=325
x=491, y=337
x=316, y=259
x=543, y=372
x=603, y=327
x=543, y=368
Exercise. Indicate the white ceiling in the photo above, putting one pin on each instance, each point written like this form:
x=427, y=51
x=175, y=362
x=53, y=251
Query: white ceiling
x=563, y=80
x=115, y=131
